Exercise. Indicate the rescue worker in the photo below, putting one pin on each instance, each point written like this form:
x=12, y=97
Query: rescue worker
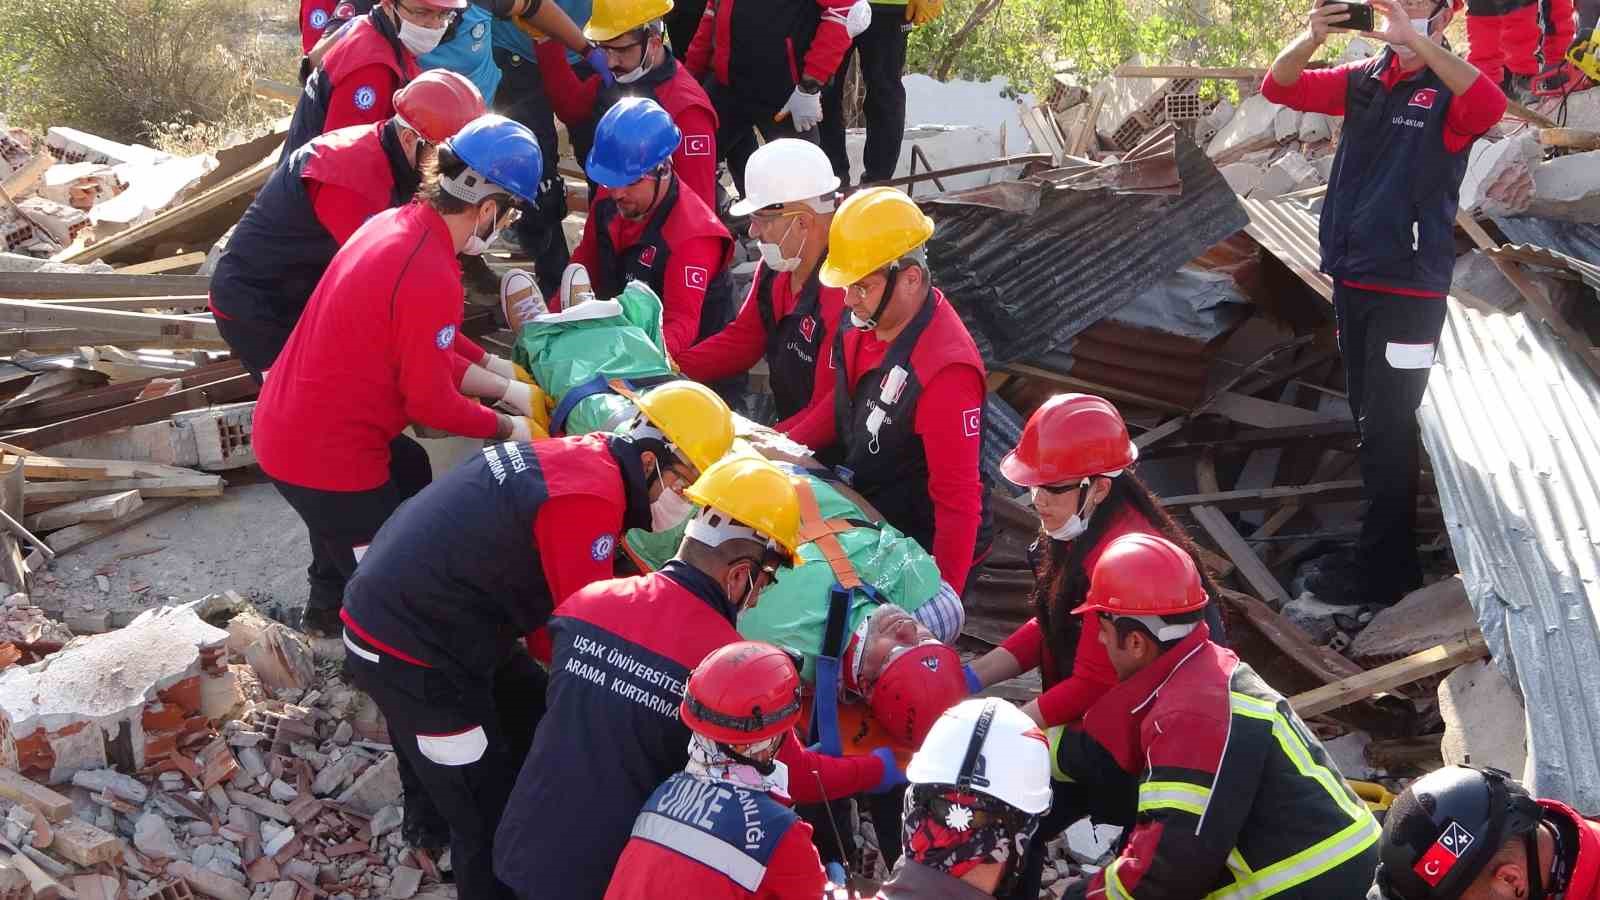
x=435, y=615
x=1503, y=38
x=467, y=48
x=979, y=785
x=630, y=32
x=764, y=65
x=1462, y=833
x=1388, y=241
x=1077, y=460
x=881, y=50
x=906, y=409
x=623, y=650
x=375, y=352
x=1225, y=792
x=317, y=15
x=642, y=225
x=358, y=66
x=722, y=827
x=310, y=207
x=789, y=317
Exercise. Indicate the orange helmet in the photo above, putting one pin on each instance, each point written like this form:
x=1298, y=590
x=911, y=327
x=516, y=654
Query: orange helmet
x=915, y=690
x=742, y=693
x=1070, y=437
x=1143, y=575
x=437, y=104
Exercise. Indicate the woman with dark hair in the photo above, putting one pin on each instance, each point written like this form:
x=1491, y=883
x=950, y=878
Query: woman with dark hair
x=1075, y=456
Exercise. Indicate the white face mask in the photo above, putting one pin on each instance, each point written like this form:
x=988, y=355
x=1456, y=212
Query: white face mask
x=630, y=77
x=475, y=245
x=669, y=509
x=1069, y=529
x=772, y=254
x=1406, y=54
x=420, y=40
x=858, y=322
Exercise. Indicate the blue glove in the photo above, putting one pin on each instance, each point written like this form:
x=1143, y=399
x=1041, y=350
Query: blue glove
x=596, y=58
x=836, y=874
x=974, y=683
x=892, y=776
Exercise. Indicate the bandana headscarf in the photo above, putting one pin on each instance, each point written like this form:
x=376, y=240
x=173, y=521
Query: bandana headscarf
x=954, y=831
x=710, y=759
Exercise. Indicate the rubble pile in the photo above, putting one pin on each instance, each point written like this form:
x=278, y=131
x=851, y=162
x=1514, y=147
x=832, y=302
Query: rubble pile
x=155, y=762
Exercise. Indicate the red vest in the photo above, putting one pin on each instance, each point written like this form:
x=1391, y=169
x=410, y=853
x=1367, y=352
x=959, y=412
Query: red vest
x=364, y=46
x=354, y=159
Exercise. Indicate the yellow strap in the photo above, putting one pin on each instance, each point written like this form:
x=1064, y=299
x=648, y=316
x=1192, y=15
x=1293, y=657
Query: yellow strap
x=823, y=533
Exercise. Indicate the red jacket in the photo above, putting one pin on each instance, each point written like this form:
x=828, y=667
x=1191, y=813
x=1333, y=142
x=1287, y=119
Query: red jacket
x=375, y=351
x=1585, y=881
x=762, y=48
x=314, y=16
x=681, y=96
x=363, y=75
x=1065, y=700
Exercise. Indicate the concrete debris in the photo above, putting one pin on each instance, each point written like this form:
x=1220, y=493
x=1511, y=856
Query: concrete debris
x=280, y=656
x=386, y=820
x=1286, y=124
x=1485, y=723
x=1435, y=614
x=1253, y=127
x=404, y=883
x=1568, y=187
x=1499, y=179
x=1315, y=127
x=1243, y=177
x=375, y=788
x=1290, y=172
x=1320, y=621
x=153, y=837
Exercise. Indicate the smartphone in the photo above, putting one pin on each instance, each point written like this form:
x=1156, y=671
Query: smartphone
x=1360, y=17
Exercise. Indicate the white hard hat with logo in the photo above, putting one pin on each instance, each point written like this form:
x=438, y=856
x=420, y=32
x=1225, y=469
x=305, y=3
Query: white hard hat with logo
x=787, y=170
x=987, y=746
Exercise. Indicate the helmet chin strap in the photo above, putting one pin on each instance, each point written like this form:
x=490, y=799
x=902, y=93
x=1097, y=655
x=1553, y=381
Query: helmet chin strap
x=892, y=276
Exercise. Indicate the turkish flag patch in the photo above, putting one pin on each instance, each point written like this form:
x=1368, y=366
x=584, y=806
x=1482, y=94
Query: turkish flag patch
x=647, y=256
x=695, y=277
x=808, y=328
x=1443, y=855
x=1424, y=97
x=697, y=145
x=972, y=421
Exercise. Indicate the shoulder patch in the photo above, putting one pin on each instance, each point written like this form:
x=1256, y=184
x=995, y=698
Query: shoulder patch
x=365, y=97
x=445, y=337
x=971, y=421
x=600, y=549
x=695, y=277
x=697, y=145
x=478, y=30
x=319, y=19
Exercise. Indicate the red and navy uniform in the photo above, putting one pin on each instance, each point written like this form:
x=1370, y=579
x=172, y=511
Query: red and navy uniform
x=375, y=351
x=1581, y=838
x=316, y=16
x=792, y=331
x=580, y=104
x=715, y=840
x=1388, y=241
x=307, y=209
x=762, y=49
x=1502, y=37
x=681, y=251
x=623, y=651
x=921, y=468
x=356, y=82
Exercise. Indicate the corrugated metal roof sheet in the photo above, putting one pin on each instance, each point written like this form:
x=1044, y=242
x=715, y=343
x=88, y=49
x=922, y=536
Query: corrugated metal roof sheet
x=1289, y=231
x=1027, y=282
x=1575, y=239
x=1539, y=256
x=1511, y=421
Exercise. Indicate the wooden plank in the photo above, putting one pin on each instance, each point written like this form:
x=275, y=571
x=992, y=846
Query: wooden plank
x=1254, y=439
x=18, y=788
x=268, y=89
x=93, y=509
x=55, y=340
x=1320, y=492
x=1259, y=413
x=1517, y=110
x=38, y=467
x=238, y=387
x=1086, y=134
x=134, y=325
x=1244, y=559
x=197, y=484
x=1417, y=666
x=25, y=285
x=1570, y=138
x=1090, y=387
x=115, y=395
x=1321, y=662
x=75, y=536
x=1234, y=73
x=165, y=264
x=186, y=302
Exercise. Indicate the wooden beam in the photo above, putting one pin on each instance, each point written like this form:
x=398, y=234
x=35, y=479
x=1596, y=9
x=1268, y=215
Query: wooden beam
x=1417, y=666
x=1321, y=492
x=1232, y=73
x=165, y=264
x=53, y=340
x=93, y=509
x=238, y=387
x=75, y=536
x=1322, y=663
x=188, y=302
x=134, y=325
x=35, y=285
x=1102, y=390
x=1517, y=110
x=1244, y=559
x=38, y=467
x=114, y=395
x=196, y=484
x=268, y=89
x=1570, y=138
x=1259, y=413
x=1254, y=439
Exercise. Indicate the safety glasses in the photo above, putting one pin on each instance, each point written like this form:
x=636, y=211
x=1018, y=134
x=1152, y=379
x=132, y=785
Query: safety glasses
x=1059, y=489
x=429, y=18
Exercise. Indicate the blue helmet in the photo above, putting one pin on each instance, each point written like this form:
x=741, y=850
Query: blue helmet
x=633, y=137
x=503, y=151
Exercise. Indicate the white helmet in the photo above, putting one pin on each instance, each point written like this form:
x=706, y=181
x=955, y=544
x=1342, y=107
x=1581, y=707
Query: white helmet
x=787, y=170
x=987, y=746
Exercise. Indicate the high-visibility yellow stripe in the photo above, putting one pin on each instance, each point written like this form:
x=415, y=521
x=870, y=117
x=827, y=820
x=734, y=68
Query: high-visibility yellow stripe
x=1294, y=747
x=1236, y=864
x=1179, y=795
x=1309, y=863
x=1053, y=736
x=1114, y=888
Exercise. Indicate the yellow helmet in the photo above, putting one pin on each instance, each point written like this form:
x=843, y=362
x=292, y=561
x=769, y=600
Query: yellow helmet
x=754, y=493
x=872, y=228
x=611, y=18
x=692, y=418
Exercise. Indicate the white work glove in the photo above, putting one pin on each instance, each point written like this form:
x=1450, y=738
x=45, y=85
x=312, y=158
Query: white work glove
x=805, y=109
x=499, y=365
x=522, y=430
x=519, y=396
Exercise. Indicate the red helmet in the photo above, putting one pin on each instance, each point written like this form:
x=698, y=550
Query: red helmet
x=1143, y=575
x=1069, y=437
x=437, y=104
x=742, y=693
x=915, y=690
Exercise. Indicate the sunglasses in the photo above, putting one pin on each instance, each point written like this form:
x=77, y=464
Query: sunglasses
x=1059, y=489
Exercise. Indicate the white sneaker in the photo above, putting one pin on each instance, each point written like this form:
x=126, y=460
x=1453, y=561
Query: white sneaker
x=575, y=286
x=520, y=299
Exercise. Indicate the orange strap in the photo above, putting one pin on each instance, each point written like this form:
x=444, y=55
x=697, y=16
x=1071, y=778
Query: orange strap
x=815, y=529
x=621, y=387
